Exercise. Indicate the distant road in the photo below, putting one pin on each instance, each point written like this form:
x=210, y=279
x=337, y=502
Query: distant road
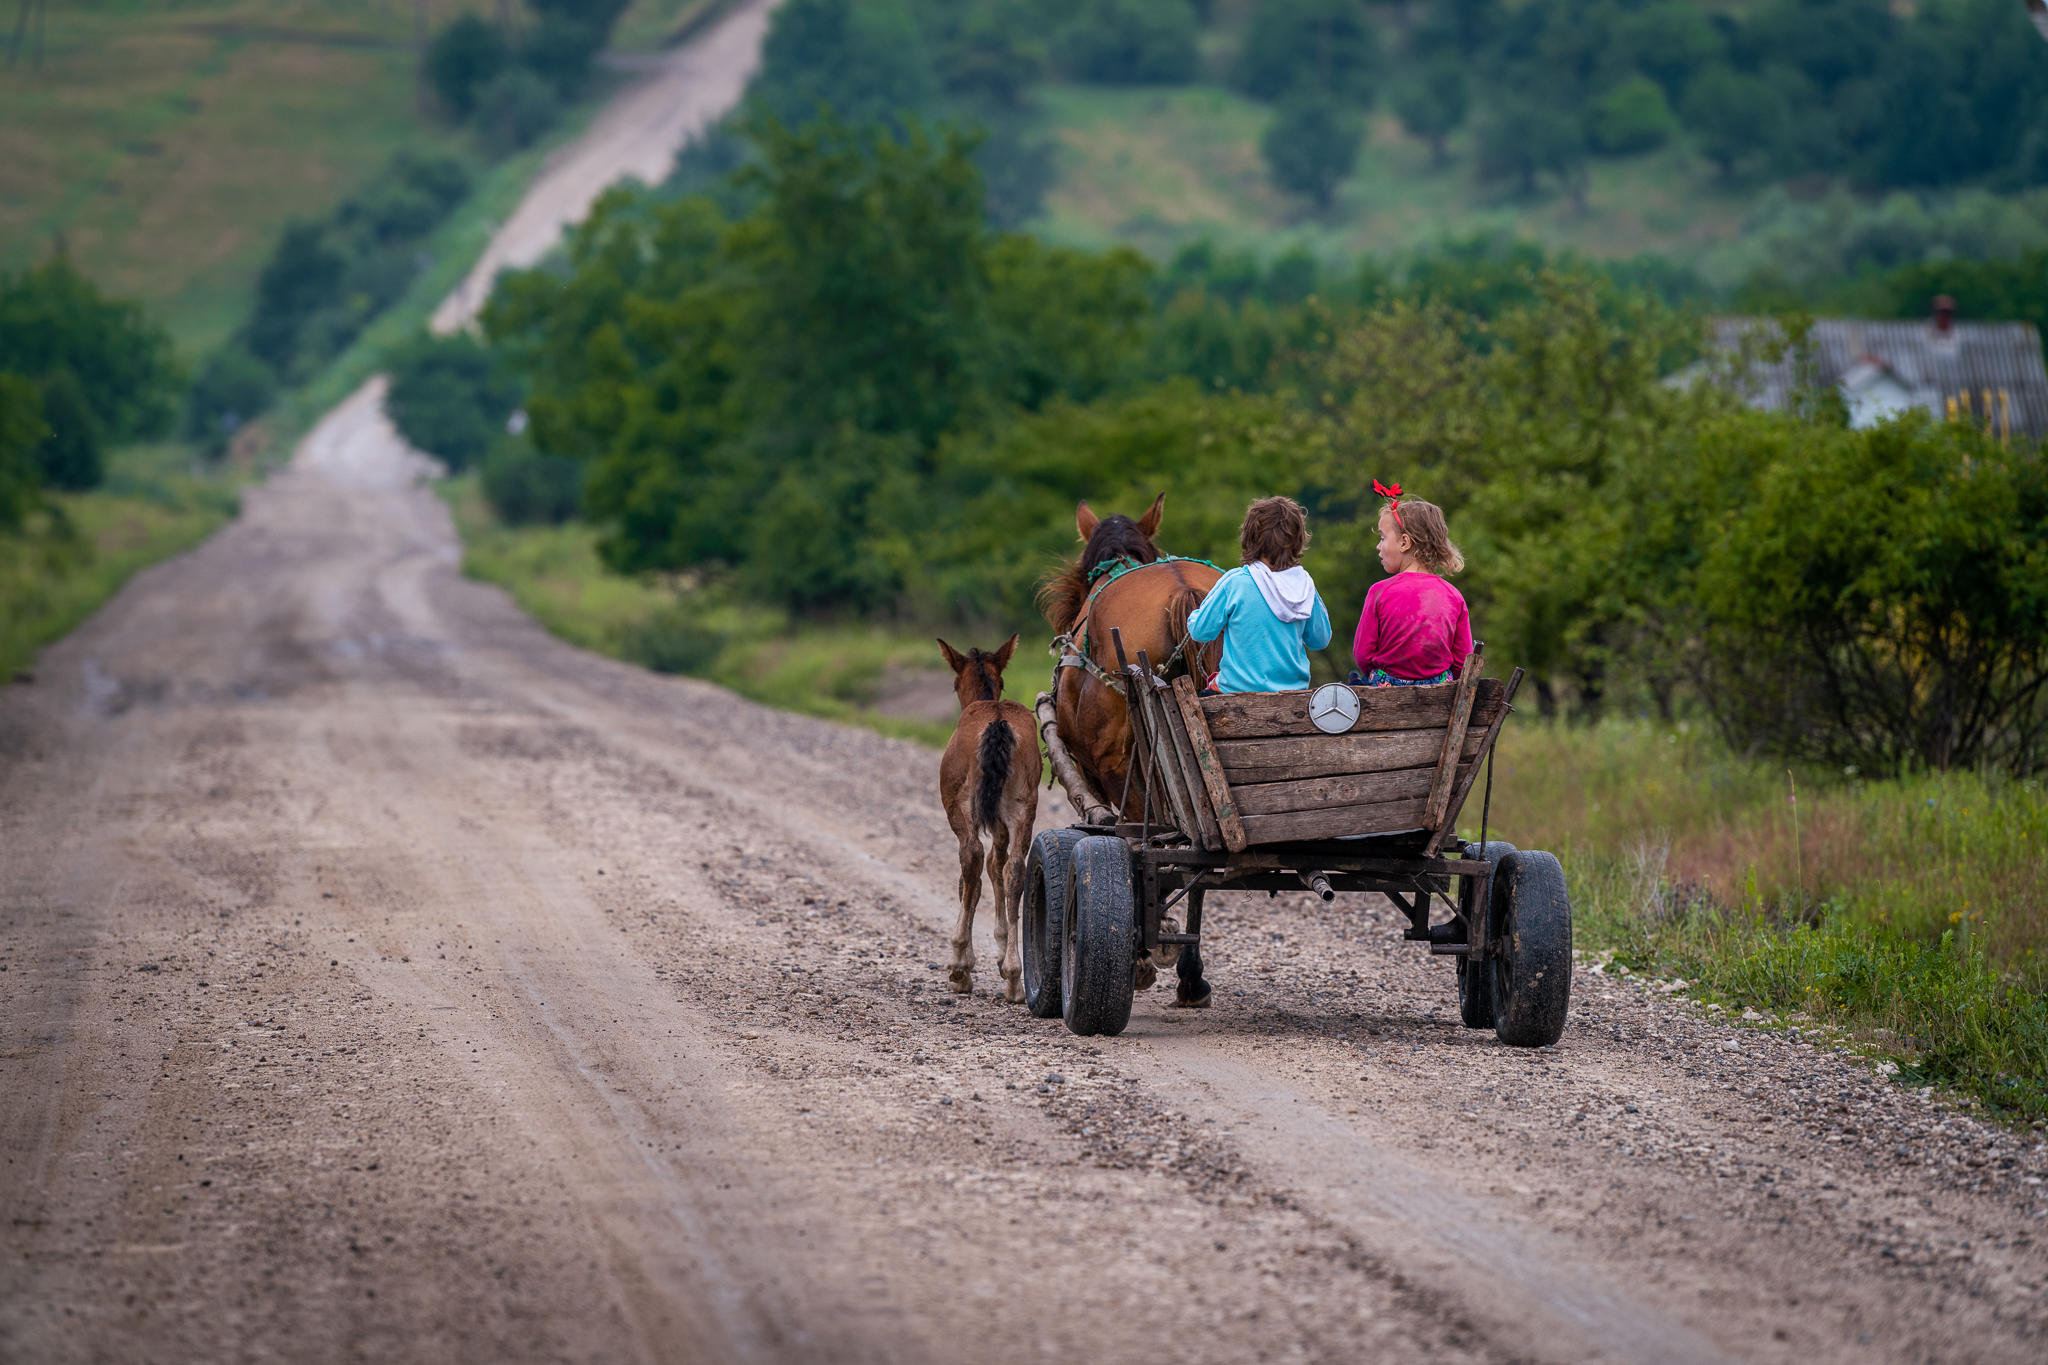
x=638, y=134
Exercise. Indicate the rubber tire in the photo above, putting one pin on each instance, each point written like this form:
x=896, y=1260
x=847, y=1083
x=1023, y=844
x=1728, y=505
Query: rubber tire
x=1100, y=939
x=1532, y=980
x=1047, y=869
x=1475, y=979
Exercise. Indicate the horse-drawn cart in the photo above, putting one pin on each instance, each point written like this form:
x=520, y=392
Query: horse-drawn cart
x=1342, y=789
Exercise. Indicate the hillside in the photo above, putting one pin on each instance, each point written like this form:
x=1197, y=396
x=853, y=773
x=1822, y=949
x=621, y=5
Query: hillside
x=165, y=145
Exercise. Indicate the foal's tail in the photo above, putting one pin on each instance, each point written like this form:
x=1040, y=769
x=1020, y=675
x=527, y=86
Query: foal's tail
x=998, y=748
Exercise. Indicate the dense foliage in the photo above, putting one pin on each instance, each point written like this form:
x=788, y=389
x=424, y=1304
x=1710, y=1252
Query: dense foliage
x=95, y=369
x=327, y=279
x=858, y=396
x=510, y=80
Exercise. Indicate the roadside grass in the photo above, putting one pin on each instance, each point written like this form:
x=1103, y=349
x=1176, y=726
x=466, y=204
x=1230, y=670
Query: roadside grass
x=151, y=506
x=1912, y=914
x=1159, y=167
x=837, y=670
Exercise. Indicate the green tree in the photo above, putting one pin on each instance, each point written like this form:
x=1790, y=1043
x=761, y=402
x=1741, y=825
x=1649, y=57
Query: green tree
x=1433, y=105
x=1671, y=42
x=1733, y=116
x=69, y=457
x=449, y=397
x=1632, y=117
x=1295, y=45
x=866, y=63
x=1522, y=142
x=462, y=59
x=1130, y=42
x=514, y=109
x=231, y=389
x=54, y=321
x=1312, y=145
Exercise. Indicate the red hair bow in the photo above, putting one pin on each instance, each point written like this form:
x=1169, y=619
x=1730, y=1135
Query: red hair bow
x=1385, y=490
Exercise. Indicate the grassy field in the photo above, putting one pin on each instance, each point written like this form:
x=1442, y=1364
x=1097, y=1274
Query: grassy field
x=1158, y=167
x=152, y=505
x=1908, y=919
x=165, y=143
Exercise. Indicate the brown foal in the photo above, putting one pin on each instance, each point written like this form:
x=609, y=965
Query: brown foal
x=988, y=780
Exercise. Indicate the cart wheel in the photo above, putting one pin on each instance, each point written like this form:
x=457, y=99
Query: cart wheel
x=1532, y=923
x=1046, y=871
x=1099, y=932
x=1475, y=979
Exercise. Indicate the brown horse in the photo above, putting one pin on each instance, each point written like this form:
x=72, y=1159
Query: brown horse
x=1149, y=607
x=988, y=780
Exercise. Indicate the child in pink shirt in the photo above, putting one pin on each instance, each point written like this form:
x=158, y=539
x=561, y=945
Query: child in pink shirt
x=1414, y=630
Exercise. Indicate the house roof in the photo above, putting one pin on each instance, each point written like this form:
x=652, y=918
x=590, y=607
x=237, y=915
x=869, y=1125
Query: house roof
x=1930, y=367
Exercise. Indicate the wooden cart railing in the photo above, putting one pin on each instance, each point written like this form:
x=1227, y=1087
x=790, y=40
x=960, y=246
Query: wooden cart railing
x=1243, y=769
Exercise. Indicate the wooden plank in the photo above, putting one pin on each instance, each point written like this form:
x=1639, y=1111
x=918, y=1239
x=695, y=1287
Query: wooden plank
x=1091, y=809
x=1263, y=715
x=1466, y=774
x=1335, y=822
x=1210, y=835
x=1165, y=761
x=1454, y=741
x=1344, y=789
x=1283, y=760
x=1211, y=764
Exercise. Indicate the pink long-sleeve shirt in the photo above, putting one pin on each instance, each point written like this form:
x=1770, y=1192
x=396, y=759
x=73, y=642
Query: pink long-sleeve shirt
x=1414, y=625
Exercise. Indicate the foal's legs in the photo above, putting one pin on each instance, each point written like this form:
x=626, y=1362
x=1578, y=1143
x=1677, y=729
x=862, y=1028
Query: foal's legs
x=1016, y=840
x=961, y=977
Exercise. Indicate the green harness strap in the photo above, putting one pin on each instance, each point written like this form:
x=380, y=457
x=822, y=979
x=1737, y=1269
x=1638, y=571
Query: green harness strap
x=1100, y=577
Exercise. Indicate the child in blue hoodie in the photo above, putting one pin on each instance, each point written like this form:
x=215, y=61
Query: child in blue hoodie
x=1266, y=610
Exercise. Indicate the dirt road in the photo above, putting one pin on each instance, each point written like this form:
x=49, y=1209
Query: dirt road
x=382, y=979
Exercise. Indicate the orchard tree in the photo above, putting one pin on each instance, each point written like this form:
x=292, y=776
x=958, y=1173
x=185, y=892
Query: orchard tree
x=1733, y=115
x=1299, y=45
x=1434, y=105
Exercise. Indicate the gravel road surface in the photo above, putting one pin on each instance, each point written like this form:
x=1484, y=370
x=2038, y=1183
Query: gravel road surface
x=381, y=978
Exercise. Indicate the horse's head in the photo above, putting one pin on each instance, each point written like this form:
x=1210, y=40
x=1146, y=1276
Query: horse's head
x=1116, y=536
x=978, y=674
x=1104, y=540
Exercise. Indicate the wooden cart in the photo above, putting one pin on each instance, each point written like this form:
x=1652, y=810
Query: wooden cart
x=1251, y=791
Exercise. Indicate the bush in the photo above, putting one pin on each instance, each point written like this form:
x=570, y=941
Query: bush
x=69, y=456
x=464, y=57
x=1733, y=116
x=672, y=641
x=53, y=320
x=513, y=110
x=1299, y=45
x=1312, y=144
x=1131, y=42
x=21, y=430
x=232, y=388
x=1876, y=598
x=529, y=488
x=448, y=398
x=1632, y=117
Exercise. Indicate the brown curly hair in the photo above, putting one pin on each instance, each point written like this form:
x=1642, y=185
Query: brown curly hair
x=1275, y=531
x=1429, y=536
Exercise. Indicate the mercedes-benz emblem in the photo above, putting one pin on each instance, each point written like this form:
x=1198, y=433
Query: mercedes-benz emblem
x=1333, y=708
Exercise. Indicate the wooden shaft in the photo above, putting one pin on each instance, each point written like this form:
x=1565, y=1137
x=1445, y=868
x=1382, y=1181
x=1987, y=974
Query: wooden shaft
x=1454, y=743
x=1443, y=833
x=1092, y=809
x=1212, y=769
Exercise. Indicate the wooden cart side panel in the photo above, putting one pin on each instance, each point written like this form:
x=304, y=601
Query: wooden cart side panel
x=1346, y=789
x=1454, y=740
x=1265, y=715
x=1212, y=766
x=1466, y=775
x=1336, y=822
x=1247, y=761
x=1166, y=762
x=1210, y=835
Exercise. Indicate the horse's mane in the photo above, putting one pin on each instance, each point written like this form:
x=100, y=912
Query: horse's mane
x=1063, y=591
